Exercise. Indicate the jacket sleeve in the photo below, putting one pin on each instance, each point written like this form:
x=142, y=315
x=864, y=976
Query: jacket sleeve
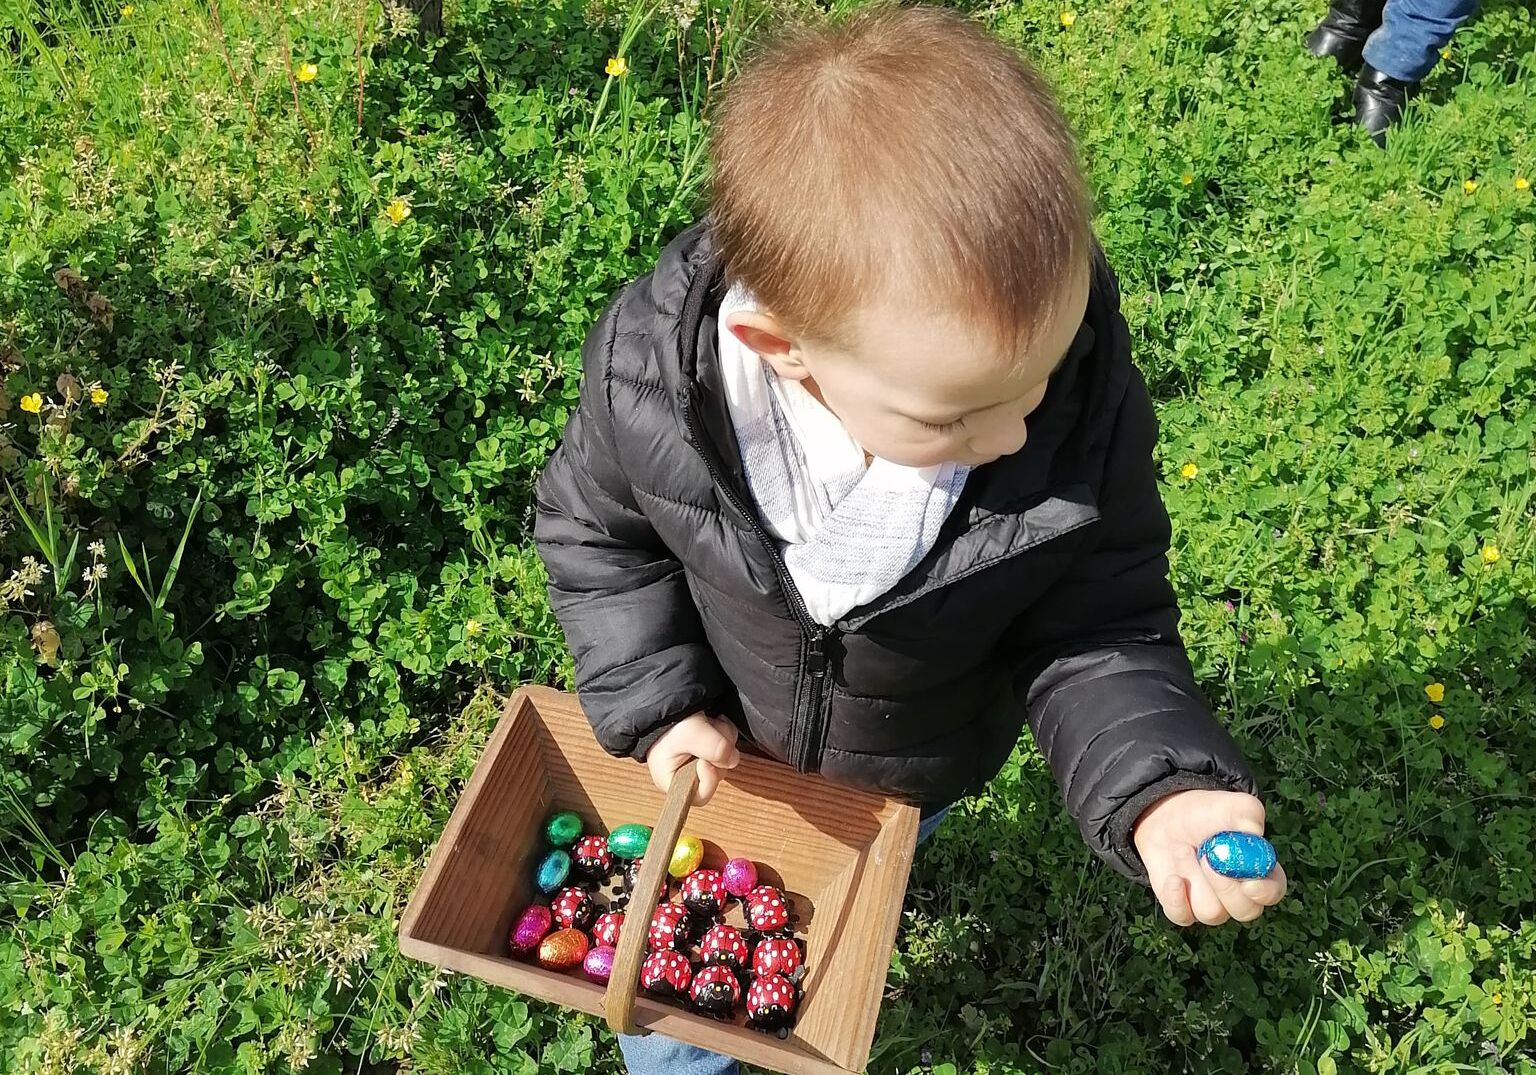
x=642, y=661
x=1110, y=694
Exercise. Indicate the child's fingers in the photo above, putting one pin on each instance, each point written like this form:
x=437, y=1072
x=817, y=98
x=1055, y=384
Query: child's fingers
x=1208, y=907
x=717, y=748
x=1172, y=891
x=1232, y=893
x=709, y=780
x=725, y=728
x=1268, y=891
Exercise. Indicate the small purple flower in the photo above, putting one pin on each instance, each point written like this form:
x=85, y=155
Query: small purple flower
x=1230, y=606
x=1242, y=637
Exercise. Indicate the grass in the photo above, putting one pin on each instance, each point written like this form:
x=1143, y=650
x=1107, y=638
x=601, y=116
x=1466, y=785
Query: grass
x=323, y=418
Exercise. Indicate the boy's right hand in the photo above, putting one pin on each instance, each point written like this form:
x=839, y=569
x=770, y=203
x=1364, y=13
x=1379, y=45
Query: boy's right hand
x=708, y=740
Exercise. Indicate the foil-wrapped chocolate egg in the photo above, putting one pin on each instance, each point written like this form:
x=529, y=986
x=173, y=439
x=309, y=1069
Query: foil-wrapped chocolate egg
x=777, y=955
x=563, y=948
x=629, y=841
x=552, y=871
x=531, y=927
x=591, y=859
x=767, y=909
x=740, y=876
x=573, y=908
x=666, y=974
x=1240, y=855
x=562, y=829
x=599, y=963
x=667, y=927
x=632, y=874
x=771, y=1003
x=686, y=856
x=723, y=945
x=715, y=991
x=605, y=931
x=704, y=893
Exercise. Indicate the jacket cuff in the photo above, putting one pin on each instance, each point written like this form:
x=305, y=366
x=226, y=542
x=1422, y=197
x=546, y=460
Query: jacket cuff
x=1123, y=854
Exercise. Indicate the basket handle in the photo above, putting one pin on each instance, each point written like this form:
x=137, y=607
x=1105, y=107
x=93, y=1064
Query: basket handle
x=619, y=1002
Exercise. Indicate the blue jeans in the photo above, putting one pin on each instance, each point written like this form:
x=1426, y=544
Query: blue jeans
x=652, y=1054
x=1407, y=44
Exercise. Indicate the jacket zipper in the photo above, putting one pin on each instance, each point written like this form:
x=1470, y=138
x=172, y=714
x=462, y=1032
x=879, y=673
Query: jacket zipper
x=809, y=724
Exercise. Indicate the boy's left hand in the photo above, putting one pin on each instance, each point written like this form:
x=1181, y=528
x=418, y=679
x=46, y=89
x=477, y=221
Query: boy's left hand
x=1169, y=833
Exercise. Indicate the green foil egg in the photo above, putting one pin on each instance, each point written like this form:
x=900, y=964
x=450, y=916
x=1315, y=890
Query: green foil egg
x=563, y=829
x=553, y=869
x=629, y=841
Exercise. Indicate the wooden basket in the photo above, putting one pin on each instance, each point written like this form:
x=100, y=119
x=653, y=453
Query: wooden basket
x=842, y=857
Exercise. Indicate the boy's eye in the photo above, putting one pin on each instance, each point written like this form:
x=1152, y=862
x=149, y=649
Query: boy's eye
x=947, y=427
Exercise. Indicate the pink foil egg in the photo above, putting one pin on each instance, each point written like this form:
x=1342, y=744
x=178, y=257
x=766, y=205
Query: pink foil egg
x=530, y=928
x=740, y=877
x=599, y=963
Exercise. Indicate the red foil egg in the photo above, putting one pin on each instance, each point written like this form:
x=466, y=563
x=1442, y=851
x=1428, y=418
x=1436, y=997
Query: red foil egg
x=591, y=860
x=666, y=974
x=777, y=955
x=771, y=1003
x=666, y=927
x=573, y=909
x=531, y=927
x=740, y=877
x=605, y=931
x=715, y=991
x=767, y=909
x=704, y=893
x=563, y=948
x=723, y=946
x=599, y=963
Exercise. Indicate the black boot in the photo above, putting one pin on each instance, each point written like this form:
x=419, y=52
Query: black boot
x=1343, y=31
x=1379, y=102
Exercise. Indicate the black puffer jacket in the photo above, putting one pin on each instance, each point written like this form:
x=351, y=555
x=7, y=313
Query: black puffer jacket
x=1046, y=600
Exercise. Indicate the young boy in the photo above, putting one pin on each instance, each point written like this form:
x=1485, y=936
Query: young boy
x=862, y=471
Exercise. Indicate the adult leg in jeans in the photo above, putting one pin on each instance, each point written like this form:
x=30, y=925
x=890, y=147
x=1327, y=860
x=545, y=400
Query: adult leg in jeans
x=1400, y=53
x=652, y=1054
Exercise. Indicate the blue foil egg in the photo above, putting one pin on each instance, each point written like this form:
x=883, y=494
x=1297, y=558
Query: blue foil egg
x=1239, y=854
x=553, y=869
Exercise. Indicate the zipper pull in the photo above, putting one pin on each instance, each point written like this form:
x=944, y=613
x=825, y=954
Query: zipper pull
x=816, y=660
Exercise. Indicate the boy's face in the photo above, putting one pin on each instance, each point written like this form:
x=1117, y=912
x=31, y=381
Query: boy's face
x=923, y=387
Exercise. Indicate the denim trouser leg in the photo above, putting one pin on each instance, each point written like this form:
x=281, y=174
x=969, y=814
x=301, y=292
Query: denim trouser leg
x=1407, y=45
x=652, y=1054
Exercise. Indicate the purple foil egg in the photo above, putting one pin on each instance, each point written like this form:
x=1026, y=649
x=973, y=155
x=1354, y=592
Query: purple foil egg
x=599, y=963
x=531, y=927
x=740, y=877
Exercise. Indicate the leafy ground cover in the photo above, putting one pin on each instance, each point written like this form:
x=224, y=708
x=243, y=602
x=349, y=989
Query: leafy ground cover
x=289, y=307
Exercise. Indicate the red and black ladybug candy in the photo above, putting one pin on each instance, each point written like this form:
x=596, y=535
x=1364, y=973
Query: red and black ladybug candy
x=668, y=927
x=704, y=893
x=666, y=974
x=716, y=991
x=724, y=946
x=606, y=929
x=573, y=909
x=771, y=1003
x=767, y=909
x=777, y=955
x=591, y=860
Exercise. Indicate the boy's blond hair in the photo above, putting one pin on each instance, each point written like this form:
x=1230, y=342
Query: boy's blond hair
x=903, y=153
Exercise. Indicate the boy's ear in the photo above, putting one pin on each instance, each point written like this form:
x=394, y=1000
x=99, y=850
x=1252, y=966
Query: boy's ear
x=762, y=334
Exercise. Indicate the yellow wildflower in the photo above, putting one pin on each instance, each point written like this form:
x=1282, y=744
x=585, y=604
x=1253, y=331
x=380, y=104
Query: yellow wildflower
x=1188, y=470
x=471, y=628
x=397, y=210
x=1068, y=18
x=99, y=396
x=32, y=404
x=1445, y=53
x=1187, y=178
x=617, y=67
x=1435, y=692
x=1469, y=186
x=307, y=72
x=1497, y=998
x=1491, y=554
x=1437, y=722
x=1522, y=183
x=127, y=11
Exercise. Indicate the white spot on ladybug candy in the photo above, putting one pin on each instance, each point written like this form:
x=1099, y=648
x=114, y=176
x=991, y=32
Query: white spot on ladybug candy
x=767, y=908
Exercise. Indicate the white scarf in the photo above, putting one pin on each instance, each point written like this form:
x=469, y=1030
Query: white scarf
x=848, y=531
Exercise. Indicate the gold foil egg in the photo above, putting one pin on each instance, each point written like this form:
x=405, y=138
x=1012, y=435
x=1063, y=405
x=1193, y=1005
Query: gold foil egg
x=686, y=856
x=563, y=948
